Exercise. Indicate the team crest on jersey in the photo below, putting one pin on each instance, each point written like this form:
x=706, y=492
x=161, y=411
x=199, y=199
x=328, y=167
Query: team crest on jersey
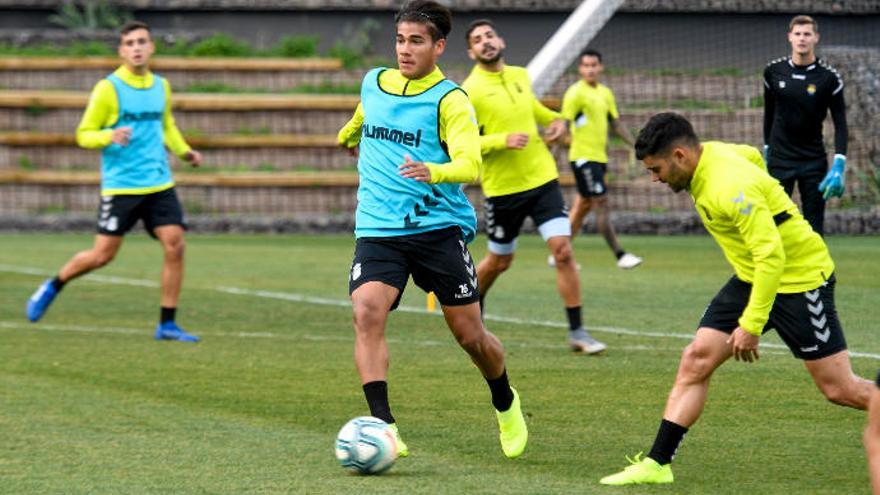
x=781, y=84
x=811, y=89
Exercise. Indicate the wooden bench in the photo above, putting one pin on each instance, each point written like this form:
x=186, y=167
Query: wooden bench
x=202, y=101
x=324, y=179
x=213, y=141
x=274, y=179
x=175, y=63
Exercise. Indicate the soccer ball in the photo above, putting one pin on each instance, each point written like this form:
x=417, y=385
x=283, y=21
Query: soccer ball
x=366, y=445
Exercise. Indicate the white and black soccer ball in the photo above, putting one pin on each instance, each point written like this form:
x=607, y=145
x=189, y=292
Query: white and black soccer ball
x=366, y=445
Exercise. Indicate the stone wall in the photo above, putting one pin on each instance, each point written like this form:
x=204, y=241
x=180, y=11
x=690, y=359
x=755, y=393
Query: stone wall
x=860, y=68
x=678, y=6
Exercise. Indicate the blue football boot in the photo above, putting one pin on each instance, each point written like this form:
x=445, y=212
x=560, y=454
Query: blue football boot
x=40, y=300
x=170, y=331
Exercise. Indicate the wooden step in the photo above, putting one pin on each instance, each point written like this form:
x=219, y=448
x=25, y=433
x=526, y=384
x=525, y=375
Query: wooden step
x=213, y=141
x=322, y=179
x=161, y=63
x=272, y=194
x=189, y=101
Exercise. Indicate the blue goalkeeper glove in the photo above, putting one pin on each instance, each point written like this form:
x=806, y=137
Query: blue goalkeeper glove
x=833, y=183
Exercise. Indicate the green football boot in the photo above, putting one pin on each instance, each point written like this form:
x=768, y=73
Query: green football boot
x=402, y=449
x=513, y=431
x=641, y=471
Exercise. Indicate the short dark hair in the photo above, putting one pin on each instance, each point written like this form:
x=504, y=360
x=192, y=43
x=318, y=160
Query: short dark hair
x=800, y=20
x=435, y=16
x=662, y=132
x=133, y=26
x=590, y=52
x=474, y=25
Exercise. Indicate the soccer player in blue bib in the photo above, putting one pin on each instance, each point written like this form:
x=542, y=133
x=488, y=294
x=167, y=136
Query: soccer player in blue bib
x=416, y=139
x=129, y=118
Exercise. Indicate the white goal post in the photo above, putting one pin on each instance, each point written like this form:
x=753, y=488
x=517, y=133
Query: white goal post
x=573, y=36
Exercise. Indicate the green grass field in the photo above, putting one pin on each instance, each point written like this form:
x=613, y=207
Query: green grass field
x=90, y=403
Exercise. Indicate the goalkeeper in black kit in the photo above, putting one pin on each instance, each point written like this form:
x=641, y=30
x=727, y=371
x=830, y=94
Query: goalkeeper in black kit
x=799, y=91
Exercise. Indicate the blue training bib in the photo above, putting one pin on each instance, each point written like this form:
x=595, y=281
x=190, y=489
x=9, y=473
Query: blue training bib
x=394, y=126
x=143, y=164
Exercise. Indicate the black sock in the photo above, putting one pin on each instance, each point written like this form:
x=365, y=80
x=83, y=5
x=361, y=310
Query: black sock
x=574, y=317
x=377, y=398
x=669, y=437
x=57, y=283
x=502, y=396
x=619, y=253
x=167, y=314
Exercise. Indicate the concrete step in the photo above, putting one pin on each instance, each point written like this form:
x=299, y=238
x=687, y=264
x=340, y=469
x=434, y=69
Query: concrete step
x=81, y=73
x=58, y=151
x=311, y=114
x=271, y=194
x=283, y=75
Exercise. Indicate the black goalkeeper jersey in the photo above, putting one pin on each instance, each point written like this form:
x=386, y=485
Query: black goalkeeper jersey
x=796, y=101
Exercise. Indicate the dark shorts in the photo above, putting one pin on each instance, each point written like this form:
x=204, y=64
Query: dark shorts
x=783, y=170
x=590, y=178
x=438, y=261
x=506, y=214
x=118, y=214
x=806, y=321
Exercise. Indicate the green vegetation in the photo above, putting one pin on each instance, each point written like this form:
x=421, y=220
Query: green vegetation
x=681, y=104
x=74, y=49
x=255, y=407
x=89, y=15
x=697, y=71
x=326, y=87
x=35, y=110
x=297, y=46
x=354, y=46
x=246, y=130
x=221, y=45
x=216, y=45
x=26, y=163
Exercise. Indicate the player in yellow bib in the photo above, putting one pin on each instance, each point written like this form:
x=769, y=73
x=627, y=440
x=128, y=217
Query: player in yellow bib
x=590, y=109
x=518, y=173
x=784, y=280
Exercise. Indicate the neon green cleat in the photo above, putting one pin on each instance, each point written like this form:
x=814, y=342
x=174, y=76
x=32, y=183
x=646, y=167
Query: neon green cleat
x=513, y=431
x=402, y=449
x=641, y=471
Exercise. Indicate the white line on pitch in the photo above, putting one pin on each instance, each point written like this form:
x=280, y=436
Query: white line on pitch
x=301, y=298
x=13, y=325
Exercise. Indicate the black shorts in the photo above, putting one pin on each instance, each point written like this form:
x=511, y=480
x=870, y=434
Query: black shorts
x=590, y=178
x=783, y=170
x=118, y=214
x=806, y=321
x=438, y=261
x=506, y=214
